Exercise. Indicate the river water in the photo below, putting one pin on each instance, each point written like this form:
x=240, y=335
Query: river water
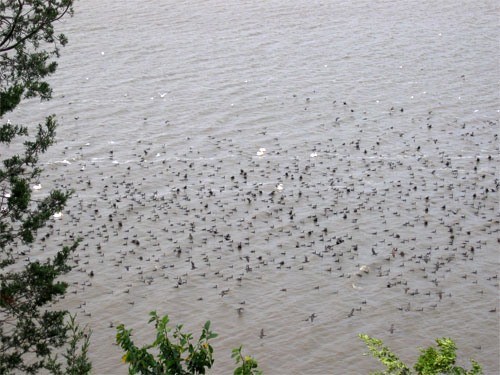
x=257, y=154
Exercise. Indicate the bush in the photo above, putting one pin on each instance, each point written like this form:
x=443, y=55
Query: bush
x=430, y=362
x=178, y=356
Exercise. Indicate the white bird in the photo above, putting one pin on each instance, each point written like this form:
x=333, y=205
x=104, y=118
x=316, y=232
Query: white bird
x=261, y=151
x=57, y=215
x=37, y=187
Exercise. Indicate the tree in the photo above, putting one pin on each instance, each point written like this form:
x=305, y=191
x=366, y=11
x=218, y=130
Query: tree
x=27, y=44
x=430, y=362
x=30, y=334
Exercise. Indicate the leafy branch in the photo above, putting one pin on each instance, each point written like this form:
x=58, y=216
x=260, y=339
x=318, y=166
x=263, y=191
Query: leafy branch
x=248, y=364
x=432, y=361
x=172, y=358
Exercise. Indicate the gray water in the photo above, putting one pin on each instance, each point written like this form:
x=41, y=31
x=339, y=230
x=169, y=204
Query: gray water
x=379, y=121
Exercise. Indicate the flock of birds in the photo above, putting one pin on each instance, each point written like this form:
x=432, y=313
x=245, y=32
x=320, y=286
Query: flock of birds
x=391, y=209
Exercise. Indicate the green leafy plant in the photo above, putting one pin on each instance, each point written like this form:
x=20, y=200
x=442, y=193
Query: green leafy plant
x=77, y=362
x=432, y=361
x=176, y=356
x=248, y=364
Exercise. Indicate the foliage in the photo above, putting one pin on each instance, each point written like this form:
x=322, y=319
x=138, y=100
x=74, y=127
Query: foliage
x=29, y=332
x=76, y=354
x=248, y=364
x=386, y=356
x=20, y=218
x=172, y=358
x=27, y=44
x=430, y=362
x=442, y=361
x=177, y=356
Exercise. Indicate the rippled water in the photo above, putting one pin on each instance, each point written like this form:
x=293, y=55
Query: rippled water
x=378, y=118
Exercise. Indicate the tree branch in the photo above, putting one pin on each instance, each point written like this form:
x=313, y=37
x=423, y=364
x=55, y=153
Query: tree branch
x=33, y=32
x=14, y=23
